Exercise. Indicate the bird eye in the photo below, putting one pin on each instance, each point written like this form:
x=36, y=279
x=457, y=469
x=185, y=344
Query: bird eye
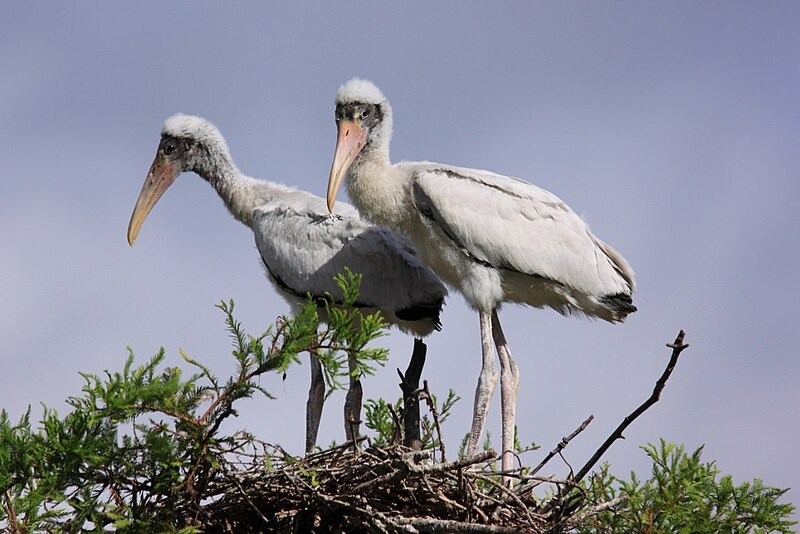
x=365, y=113
x=169, y=148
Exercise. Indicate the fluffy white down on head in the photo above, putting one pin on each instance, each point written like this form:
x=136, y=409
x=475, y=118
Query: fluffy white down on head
x=360, y=90
x=191, y=126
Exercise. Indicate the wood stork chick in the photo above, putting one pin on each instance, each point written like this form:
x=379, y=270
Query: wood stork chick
x=301, y=245
x=494, y=238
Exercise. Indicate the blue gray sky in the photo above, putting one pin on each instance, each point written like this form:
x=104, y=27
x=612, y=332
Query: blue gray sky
x=672, y=128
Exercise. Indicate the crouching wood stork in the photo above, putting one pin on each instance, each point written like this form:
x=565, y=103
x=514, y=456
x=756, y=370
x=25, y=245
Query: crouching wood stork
x=494, y=238
x=301, y=245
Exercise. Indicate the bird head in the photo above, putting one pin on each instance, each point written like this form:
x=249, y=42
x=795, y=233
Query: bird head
x=185, y=139
x=363, y=123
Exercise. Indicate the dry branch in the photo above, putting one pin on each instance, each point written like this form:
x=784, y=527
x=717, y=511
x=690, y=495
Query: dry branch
x=562, y=444
x=677, y=347
x=435, y=415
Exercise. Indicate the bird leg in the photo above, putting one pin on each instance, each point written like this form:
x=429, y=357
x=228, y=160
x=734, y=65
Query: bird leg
x=352, y=403
x=487, y=381
x=509, y=386
x=316, y=399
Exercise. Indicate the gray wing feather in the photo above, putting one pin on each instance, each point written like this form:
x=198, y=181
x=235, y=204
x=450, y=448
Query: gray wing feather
x=305, y=246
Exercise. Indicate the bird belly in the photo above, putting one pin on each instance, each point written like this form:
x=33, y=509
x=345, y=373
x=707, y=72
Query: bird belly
x=480, y=284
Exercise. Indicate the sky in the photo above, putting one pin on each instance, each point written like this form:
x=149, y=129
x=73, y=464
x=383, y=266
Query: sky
x=671, y=128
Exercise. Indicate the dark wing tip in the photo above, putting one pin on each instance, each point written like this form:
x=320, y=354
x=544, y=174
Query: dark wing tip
x=423, y=311
x=620, y=303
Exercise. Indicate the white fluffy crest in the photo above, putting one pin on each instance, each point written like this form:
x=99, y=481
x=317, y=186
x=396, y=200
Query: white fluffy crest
x=360, y=90
x=198, y=128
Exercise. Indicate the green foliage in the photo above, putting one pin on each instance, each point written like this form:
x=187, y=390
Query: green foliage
x=383, y=419
x=348, y=333
x=686, y=495
x=141, y=447
x=430, y=439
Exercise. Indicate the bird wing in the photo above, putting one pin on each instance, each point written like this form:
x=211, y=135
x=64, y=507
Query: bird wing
x=507, y=223
x=304, y=247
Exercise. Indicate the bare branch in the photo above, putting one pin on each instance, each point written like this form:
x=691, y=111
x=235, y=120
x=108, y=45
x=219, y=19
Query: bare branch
x=449, y=466
x=677, y=347
x=562, y=444
x=435, y=415
x=577, y=519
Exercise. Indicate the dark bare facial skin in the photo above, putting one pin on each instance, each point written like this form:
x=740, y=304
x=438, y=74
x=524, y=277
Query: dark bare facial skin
x=174, y=148
x=368, y=115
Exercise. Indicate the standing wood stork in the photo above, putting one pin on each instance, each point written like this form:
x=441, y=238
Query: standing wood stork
x=495, y=238
x=302, y=246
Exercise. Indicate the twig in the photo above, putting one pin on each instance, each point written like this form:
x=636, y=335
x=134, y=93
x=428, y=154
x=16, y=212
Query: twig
x=562, y=444
x=513, y=496
x=435, y=415
x=394, y=439
x=197, y=423
x=530, y=479
x=344, y=447
x=368, y=514
x=417, y=456
x=13, y=524
x=571, y=471
x=249, y=501
x=677, y=347
x=449, y=525
x=577, y=519
x=450, y=466
x=408, y=459
x=116, y=496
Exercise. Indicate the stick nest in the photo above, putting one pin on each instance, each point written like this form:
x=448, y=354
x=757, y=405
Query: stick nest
x=391, y=489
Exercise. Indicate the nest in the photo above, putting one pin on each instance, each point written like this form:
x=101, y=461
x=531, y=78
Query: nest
x=390, y=489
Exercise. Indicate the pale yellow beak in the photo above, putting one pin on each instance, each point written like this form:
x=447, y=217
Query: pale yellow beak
x=350, y=141
x=161, y=175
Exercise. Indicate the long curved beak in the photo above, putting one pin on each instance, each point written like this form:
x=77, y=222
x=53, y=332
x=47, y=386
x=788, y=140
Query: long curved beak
x=161, y=175
x=350, y=141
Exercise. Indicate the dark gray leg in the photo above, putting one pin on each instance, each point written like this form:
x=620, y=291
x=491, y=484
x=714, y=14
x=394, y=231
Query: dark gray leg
x=316, y=400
